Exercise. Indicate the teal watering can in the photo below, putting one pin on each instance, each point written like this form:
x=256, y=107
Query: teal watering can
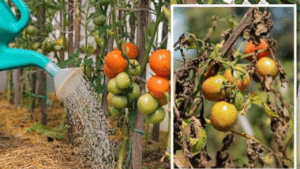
x=10, y=58
x=10, y=28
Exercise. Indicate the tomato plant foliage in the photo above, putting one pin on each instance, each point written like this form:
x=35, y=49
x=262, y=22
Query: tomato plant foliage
x=200, y=81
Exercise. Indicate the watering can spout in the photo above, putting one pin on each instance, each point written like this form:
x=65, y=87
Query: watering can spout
x=19, y=58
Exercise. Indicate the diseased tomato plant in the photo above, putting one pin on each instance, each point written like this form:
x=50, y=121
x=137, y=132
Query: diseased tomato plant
x=218, y=87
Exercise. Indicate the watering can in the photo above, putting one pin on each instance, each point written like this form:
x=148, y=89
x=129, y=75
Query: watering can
x=11, y=58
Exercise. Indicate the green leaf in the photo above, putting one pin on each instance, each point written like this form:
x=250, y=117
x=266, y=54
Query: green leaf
x=102, y=30
x=255, y=99
x=269, y=111
x=89, y=62
x=73, y=60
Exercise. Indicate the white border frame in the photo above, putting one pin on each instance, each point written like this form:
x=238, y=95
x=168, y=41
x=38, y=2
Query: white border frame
x=295, y=66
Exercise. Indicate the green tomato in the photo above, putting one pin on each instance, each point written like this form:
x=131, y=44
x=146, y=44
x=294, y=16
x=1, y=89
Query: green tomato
x=115, y=112
x=99, y=41
x=88, y=72
x=157, y=117
x=31, y=30
x=100, y=20
x=134, y=67
x=147, y=104
x=58, y=48
x=123, y=80
x=135, y=92
x=90, y=49
x=239, y=101
x=199, y=143
x=48, y=45
x=119, y=102
x=35, y=46
x=112, y=87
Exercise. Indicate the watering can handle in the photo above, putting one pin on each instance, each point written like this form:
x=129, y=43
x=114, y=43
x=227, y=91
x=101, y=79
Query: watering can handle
x=25, y=15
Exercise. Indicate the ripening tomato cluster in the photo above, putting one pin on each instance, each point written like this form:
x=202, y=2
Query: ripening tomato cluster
x=265, y=66
x=121, y=87
x=158, y=85
x=223, y=115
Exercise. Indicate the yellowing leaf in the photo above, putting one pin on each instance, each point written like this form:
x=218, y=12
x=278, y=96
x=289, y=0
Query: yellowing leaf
x=269, y=111
x=180, y=160
x=255, y=99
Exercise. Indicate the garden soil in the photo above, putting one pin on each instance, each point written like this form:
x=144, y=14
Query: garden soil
x=21, y=149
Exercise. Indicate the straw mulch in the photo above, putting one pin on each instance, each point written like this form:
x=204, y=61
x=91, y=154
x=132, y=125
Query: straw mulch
x=20, y=149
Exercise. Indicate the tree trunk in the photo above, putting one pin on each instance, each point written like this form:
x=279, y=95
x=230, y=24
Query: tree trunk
x=60, y=53
x=9, y=74
x=137, y=149
x=298, y=102
x=71, y=25
x=42, y=78
x=32, y=99
x=70, y=50
x=9, y=86
x=77, y=25
x=17, y=82
x=17, y=76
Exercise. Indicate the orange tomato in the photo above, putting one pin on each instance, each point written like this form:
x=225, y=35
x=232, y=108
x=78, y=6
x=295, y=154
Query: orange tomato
x=160, y=62
x=251, y=48
x=241, y=84
x=108, y=73
x=132, y=50
x=115, y=62
x=157, y=85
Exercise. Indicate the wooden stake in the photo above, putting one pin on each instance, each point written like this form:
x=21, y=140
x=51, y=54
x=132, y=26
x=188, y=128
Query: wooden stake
x=137, y=149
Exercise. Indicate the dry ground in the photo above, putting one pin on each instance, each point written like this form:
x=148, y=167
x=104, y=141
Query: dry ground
x=20, y=149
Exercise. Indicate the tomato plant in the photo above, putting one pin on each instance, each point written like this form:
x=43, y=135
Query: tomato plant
x=220, y=85
x=83, y=34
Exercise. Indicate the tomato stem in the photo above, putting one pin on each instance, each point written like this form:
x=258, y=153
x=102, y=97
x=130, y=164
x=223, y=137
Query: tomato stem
x=148, y=47
x=123, y=148
x=246, y=136
x=251, y=54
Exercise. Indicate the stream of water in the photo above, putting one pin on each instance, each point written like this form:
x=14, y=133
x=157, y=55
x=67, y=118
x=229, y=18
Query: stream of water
x=89, y=120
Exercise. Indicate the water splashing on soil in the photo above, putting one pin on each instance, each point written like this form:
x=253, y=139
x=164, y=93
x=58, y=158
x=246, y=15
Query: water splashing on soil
x=89, y=121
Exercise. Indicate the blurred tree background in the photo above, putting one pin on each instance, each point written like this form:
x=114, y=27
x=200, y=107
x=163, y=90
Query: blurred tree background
x=198, y=21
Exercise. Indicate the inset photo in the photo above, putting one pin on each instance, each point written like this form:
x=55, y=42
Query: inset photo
x=234, y=86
